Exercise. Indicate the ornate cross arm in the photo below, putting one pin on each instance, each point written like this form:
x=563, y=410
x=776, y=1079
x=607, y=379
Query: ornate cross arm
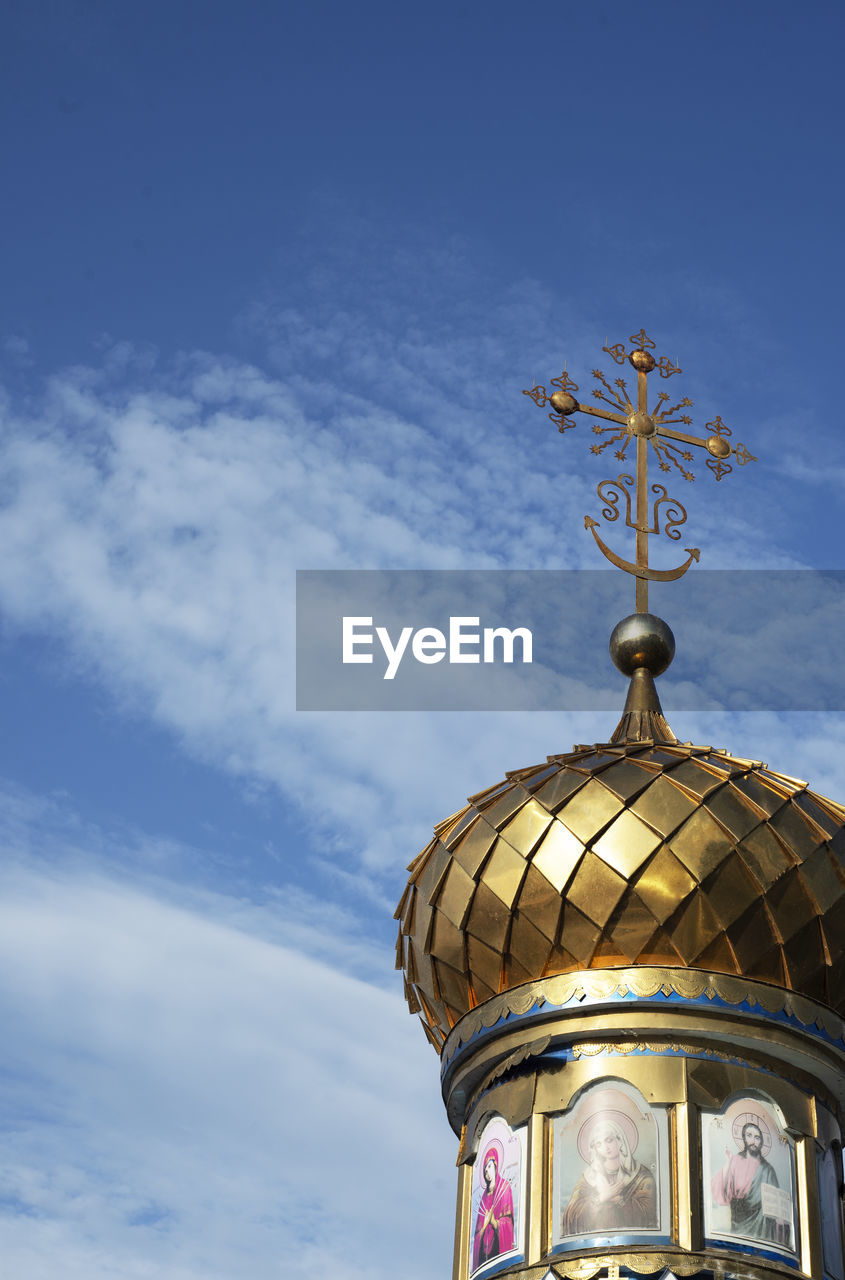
x=633, y=424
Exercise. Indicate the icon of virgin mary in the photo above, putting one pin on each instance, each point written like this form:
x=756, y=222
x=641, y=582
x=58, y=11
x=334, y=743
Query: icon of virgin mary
x=494, y=1227
x=615, y=1192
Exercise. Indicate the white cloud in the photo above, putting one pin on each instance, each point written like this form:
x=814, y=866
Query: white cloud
x=153, y=519
x=182, y=1097
x=157, y=532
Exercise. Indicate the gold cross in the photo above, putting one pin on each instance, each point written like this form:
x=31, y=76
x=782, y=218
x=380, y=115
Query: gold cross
x=636, y=423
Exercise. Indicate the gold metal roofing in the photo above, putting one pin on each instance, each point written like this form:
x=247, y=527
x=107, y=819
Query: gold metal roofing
x=626, y=853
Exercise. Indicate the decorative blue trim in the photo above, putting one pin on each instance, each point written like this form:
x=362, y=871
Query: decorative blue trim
x=622, y=1241
x=546, y=1008
x=495, y=1265
x=754, y=1251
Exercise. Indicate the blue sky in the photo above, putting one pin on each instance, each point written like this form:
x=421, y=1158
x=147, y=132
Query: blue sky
x=275, y=277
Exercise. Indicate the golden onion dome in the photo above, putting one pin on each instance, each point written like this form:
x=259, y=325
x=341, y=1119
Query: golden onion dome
x=638, y=851
x=621, y=854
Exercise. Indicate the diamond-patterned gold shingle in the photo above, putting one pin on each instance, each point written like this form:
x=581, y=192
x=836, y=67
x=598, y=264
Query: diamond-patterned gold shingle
x=633, y=929
x=452, y=985
x=503, y=871
x=471, y=851
x=455, y=895
x=540, y=902
x=590, y=810
x=528, y=945
x=558, y=855
x=488, y=918
x=806, y=957
x=694, y=927
x=731, y=890
x=664, y=884
x=719, y=956
x=505, y=806
x=762, y=793
x=626, y=855
x=791, y=905
x=753, y=935
x=660, y=950
x=664, y=806
x=792, y=828
x=733, y=811
x=626, y=779
x=626, y=844
x=825, y=883
x=822, y=819
x=485, y=962
x=579, y=935
x=765, y=856
x=457, y=828
x=525, y=828
x=698, y=778
x=559, y=788
x=700, y=844
x=448, y=943
x=595, y=889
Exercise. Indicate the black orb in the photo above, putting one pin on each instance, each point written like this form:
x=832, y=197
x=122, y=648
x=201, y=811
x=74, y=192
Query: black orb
x=642, y=640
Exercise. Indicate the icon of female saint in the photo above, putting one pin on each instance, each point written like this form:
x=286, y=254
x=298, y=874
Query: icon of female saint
x=615, y=1191
x=494, y=1226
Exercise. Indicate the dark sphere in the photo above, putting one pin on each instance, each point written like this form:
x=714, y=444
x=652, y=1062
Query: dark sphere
x=642, y=640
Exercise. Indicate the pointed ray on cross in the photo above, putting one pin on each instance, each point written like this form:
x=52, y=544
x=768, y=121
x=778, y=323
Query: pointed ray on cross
x=633, y=423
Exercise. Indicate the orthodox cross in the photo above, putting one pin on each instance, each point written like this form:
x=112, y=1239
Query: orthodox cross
x=670, y=446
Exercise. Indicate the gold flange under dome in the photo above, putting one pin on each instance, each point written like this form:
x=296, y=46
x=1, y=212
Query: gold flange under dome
x=643, y=850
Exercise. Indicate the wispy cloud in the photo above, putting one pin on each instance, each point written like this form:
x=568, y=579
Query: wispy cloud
x=153, y=519
x=183, y=1096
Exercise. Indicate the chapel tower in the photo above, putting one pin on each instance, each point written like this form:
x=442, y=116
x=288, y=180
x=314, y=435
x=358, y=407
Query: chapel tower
x=630, y=960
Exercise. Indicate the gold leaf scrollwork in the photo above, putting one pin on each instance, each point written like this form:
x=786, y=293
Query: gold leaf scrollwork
x=565, y=383
x=675, y=512
x=538, y=395
x=561, y=423
x=719, y=428
x=641, y=341
x=719, y=467
x=617, y=352
x=610, y=491
x=666, y=368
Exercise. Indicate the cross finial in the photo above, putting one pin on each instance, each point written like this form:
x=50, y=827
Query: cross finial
x=634, y=423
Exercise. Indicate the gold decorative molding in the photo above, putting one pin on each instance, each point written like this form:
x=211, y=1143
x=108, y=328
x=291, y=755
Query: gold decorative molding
x=592, y=1049
x=533, y=1050
x=644, y=982
x=649, y=1264
x=646, y=1263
